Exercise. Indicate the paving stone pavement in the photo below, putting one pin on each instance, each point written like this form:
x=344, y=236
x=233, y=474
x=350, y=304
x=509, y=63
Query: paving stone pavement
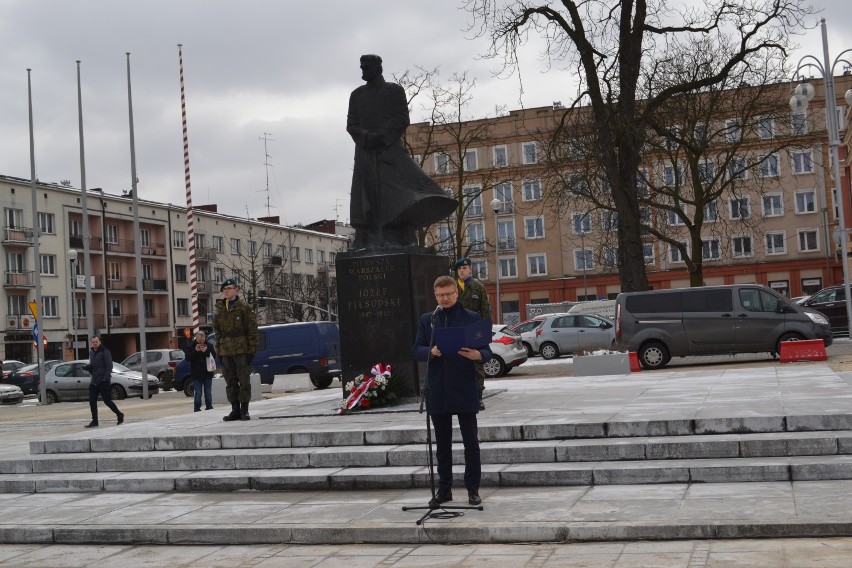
x=549, y=519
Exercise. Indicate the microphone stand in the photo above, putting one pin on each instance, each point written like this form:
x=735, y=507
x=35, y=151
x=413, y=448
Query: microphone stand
x=425, y=398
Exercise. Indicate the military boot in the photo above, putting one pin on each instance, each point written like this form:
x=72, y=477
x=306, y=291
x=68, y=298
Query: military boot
x=235, y=412
x=244, y=415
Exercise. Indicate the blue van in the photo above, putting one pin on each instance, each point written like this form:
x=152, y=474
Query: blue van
x=304, y=347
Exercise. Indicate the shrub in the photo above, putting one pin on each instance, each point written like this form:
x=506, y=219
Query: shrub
x=166, y=378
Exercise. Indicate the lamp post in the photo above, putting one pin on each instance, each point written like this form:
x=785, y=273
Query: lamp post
x=496, y=204
x=583, y=254
x=72, y=254
x=803, y=93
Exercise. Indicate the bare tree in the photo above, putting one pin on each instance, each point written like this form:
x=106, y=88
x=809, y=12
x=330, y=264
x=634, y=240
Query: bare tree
x=619, y=50
x=452, y=136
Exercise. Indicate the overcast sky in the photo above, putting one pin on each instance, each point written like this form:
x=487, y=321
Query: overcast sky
x=251, y=67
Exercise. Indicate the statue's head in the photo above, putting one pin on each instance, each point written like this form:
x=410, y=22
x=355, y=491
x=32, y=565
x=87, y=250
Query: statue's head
x=371, y=67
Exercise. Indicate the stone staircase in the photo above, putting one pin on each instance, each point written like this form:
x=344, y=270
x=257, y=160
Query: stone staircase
x=551, y=453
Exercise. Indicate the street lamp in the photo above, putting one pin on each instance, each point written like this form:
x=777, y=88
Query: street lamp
x=496, y=205
x=583, y=255
x=72, y=255
x=803, y=93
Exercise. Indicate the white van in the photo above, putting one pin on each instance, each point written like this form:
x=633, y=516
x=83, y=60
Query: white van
x=605, y=308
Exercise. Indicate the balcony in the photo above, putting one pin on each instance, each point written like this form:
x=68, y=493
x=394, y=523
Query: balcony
x=19, y=321
x=506, y=207
x=205, y=254
x=504, y=245
x=127, y=284
x=76, y=242
x=275, y=261
x=154, y=285
x=24, y=279
x=132, y=321
x=204, y=288
x=473, y=210
x=18, y=236
x=128, y=246
x=96, y=282
x=81, y=323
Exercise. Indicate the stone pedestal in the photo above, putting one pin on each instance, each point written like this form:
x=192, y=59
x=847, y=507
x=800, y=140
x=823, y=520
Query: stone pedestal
x=380, y=298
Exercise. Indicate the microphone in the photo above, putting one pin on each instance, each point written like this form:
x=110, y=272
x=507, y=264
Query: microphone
x=437, y=311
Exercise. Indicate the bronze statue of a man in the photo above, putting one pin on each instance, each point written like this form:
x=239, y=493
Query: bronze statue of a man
x=391, y=196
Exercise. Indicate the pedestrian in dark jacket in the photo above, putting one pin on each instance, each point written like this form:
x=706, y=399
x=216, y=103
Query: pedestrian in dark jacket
x=197, y=353
x=100, y=367
x=452, y=390
x=236, y=342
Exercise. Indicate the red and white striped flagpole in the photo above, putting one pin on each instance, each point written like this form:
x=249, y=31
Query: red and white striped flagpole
x=190, y=218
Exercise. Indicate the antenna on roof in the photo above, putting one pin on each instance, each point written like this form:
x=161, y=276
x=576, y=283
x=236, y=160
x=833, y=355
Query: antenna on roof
x=266, y=139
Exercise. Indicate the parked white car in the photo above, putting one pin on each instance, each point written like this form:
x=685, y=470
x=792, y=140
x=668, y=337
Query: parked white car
x=11, y=394
x=508, y=350
x=70, y=381
x=568, y=333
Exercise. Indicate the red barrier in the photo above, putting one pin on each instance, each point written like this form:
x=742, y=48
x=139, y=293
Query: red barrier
x=634, y=362
x=809, y=350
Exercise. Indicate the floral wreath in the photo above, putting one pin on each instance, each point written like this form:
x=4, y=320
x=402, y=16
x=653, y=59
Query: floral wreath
x=367, y=392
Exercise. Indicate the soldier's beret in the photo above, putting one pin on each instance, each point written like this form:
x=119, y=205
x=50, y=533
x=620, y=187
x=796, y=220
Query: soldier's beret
x=462, y=262
x=228, y=282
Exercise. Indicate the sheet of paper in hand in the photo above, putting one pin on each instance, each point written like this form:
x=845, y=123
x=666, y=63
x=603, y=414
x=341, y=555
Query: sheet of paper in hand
x=475, y=335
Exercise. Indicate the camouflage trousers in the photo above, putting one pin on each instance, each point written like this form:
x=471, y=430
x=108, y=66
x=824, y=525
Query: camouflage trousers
x=237, y=374
x=480, y=377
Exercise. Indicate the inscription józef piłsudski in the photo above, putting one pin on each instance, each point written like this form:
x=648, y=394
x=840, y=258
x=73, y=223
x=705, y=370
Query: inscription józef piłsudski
x=373, y=300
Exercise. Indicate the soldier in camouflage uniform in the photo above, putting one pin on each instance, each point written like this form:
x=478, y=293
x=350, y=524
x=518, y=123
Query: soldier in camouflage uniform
x=472, y=295
x=236, y=343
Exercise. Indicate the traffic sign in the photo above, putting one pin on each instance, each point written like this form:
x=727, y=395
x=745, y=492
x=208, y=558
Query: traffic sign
x=33, y=308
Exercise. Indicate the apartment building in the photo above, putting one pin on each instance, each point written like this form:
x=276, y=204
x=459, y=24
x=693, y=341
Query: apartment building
x=777, y=229
x=267, y=257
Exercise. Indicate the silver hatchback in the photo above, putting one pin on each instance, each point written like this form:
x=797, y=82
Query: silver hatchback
x=158, y=361
x=562, y=334
x=70, y=381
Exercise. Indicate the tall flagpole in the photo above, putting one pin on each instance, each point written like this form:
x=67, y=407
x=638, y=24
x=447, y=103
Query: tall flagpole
x=36, y=251
x=87, y=269
x=137, y=240
x=190, y=217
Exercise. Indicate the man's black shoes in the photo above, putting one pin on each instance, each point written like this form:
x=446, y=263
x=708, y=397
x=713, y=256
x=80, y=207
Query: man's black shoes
x=441, y=497
x=92, y=424
x=120, y=417
x=474, y=499
x=481, y=405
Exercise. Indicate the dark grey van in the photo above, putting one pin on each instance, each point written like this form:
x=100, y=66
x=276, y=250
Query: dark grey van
x=304, y=347
x=711, y=320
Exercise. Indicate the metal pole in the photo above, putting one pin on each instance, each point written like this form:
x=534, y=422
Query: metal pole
x=73, y=301
x=87, y=269
x=495, y=206
x=36, y=250
x=583, y=253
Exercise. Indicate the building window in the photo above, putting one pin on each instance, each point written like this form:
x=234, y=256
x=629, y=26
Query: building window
x=445, y=241
x=581, y=223
x=75, y=228
x=537, y=264
x=739, y=208
x=309, y=255
x=48, y=264
x=801, y=162
x=50, y=306
x=773, y=205
x=583, y=259
x=675, y=254
x=706, y=171
x=267, y=250
x=179, y=239
x=648, y=253
x=218, y=244
x=501, y=157
x=530, y=150
x=737, y=168
x=805, y=201
x=610, y=257
x=711, y=212
x=700, y=132
x=199, y=240
x=609, y=220
x=252, y=248
x=476, y=237
x=506, y=235
x=766, y=127
x=472, y=201
x=46, y=223
x=114, y=271
x=672, y=175
x=532, y=189
x=480, y=269
x=710, y=249
x=235, y=246
x=742, y=246
x=320, y=257
x=294, y=254
x=332, y=258
x=218, y=275
x=734, y=130
x=508, y=267
x=182, y=307
x=442, y=163
x=180, y=272
x=534, y=227
x=114, y=307
x=503, y=193
x=674, y=218
x=148, y=306
x=643, y=188
x=112, y=234
x=13, y=218
x=799, y=123
x=808, y=240
x=769, y=166
x=776, y=243
x=470, y=160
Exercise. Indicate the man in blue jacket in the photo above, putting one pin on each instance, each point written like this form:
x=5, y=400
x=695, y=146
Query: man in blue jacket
x=100, y=367
x=452, y=390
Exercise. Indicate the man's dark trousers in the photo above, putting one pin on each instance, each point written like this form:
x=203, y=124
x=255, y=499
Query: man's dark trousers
x=443, y=424
x=103, y=389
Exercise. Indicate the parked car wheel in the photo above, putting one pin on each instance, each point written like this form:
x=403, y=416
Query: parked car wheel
x=529, y=349
x=118, y=392
x=549, y=351
x=51, y=397
x=494, y=367
x=653, y=355
x=322, y=382
x=789, y=336
x=188, y=389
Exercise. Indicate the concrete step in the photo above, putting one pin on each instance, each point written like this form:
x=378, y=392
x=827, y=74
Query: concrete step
x=759, y=469
x=515, y=452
